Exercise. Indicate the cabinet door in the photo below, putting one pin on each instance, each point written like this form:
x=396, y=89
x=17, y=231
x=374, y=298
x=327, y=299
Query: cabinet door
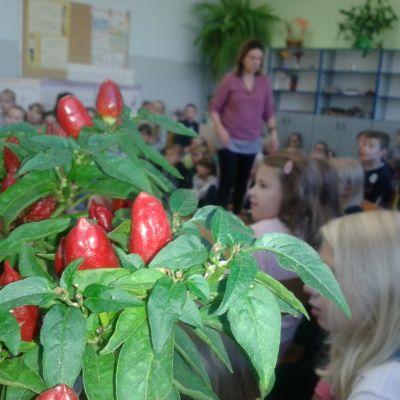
x=295, y=122
x=326, y=129
x=349, y=129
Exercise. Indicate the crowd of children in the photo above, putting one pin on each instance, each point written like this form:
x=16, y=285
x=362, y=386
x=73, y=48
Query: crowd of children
x=307, y=196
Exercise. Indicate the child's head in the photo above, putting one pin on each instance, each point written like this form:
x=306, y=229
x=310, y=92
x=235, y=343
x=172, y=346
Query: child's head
x=190, y=112
x=295, y=141
x=173, y=153
x=205, y=167
x=320, y=150
x=351, y=181
x=372, y=146
x=198, y=153
x=35, y=114
x=14, y=115
x=7, y=100
x=146, y=130
x=363, y=251
x=297, y=190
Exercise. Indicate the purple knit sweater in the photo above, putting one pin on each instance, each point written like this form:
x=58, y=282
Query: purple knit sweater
x=242, y=112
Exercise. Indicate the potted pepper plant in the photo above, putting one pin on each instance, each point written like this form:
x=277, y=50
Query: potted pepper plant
x=103, y=303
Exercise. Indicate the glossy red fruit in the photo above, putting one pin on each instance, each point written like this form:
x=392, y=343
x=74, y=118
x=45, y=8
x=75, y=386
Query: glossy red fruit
x=59, y=259
x=9, y=274
x=102, y=215
x=52, y=129
x=117, y=204
x=109, y=101
x=41, y=210
x=150, y=230
x=59, y=392
x=8, y=181
x=90, y=242
x=72, y=115
x=11, y=160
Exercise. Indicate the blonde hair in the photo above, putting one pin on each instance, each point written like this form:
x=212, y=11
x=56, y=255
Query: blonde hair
x=350, y=172
x=367, y=265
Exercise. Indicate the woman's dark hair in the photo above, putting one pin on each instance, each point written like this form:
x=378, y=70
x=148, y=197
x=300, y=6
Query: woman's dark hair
x=247, y=46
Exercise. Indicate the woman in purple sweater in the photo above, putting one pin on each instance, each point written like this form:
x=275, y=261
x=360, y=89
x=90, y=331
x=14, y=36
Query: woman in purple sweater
x=241, y=104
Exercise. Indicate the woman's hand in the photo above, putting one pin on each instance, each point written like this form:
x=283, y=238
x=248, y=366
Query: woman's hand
x=274, y=142
x=223, y=136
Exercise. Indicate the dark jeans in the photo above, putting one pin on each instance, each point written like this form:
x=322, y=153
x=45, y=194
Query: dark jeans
x=234, y=173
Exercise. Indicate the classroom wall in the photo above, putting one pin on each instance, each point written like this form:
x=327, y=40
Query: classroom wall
x=324, y=17
x=161, y=51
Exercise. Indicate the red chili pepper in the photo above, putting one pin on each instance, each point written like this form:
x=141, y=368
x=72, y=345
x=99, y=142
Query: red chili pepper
x=72, y=115
x=59, y=392
x=117, y=204
x=11, y=160
x=59, y=259
x=101, y=214
x=27, y=316
x=41, y=210
x=109, y=101
x=90, y=242
x=150, y=229
x=54, y=130
x=8, y=181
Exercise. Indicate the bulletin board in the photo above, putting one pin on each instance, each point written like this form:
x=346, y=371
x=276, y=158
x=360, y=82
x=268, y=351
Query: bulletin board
x=63, y=40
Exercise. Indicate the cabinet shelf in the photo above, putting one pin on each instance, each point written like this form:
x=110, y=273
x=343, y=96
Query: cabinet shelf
x=348, y=95
x=348, y=71
x=294, y=91
x=290, y=70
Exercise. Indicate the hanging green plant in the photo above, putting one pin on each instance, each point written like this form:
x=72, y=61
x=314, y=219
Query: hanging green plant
x=226, y=25
x=365, y=22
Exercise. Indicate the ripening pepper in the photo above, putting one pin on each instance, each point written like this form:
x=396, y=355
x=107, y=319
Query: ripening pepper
x=150, y=230
x=117, y=204
x=54, y=130
x=109, y=101
x=59, y=258
x=72, y=115
x=8, y=181
x=59, y=392
x=101, y=214
x=41, y=210
x=27, y=316
x=11, y=160
x=89, y=241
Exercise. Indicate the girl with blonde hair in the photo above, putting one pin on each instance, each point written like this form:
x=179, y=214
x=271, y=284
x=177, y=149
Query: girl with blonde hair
x=364, y=361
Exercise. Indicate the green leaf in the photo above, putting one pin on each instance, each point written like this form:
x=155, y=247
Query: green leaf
x=10, y=332
x=110, y=187
x=295, y=255
x=164, y=306
x=139, y=367
x=46, y=160
x=36, y=291
x=21, y=129
x=63, y=339
x=191, y=314
x=213, y=339
x=189, y=352
x=98, y=374
x=229, y=230
x=30, y=265
x=14, y=393
x=199, y=286
x=128, y=321
x=205, y=213
x=282, y=293
x=173, y=394
x=67, y=277
x=24, y=192
x=14, y=372
x=53, y=142
x=102, y=276
x=242, y=271
x=255, y=321
x=183, y=202
x=132, y=262
x=140, y=281
x=190, y=384
x=100, y=298
x=182, y=253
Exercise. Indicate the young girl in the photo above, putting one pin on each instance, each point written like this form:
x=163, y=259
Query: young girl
x=295, y=195
x=364, y=364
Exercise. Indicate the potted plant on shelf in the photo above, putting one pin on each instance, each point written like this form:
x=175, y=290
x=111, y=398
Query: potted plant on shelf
x=364, y=23
x=225, y=25
x=106, y=302
x=295, y=31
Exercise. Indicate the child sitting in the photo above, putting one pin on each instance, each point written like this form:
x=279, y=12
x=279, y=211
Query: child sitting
x=205, y=182
x=364, y=362
x=377, y=176
x=173, y=154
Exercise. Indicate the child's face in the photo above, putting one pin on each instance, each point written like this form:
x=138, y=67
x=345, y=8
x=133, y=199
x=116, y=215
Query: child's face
x=34, y=116
x=370, y=150
x=6, y=103
x=266, y=194
x=327, y=315
x=172, y=156
x=294, y=142
x=13, y=116
x=202, y=171
x=197, y=155
x=190, y=113
x=319, y=151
